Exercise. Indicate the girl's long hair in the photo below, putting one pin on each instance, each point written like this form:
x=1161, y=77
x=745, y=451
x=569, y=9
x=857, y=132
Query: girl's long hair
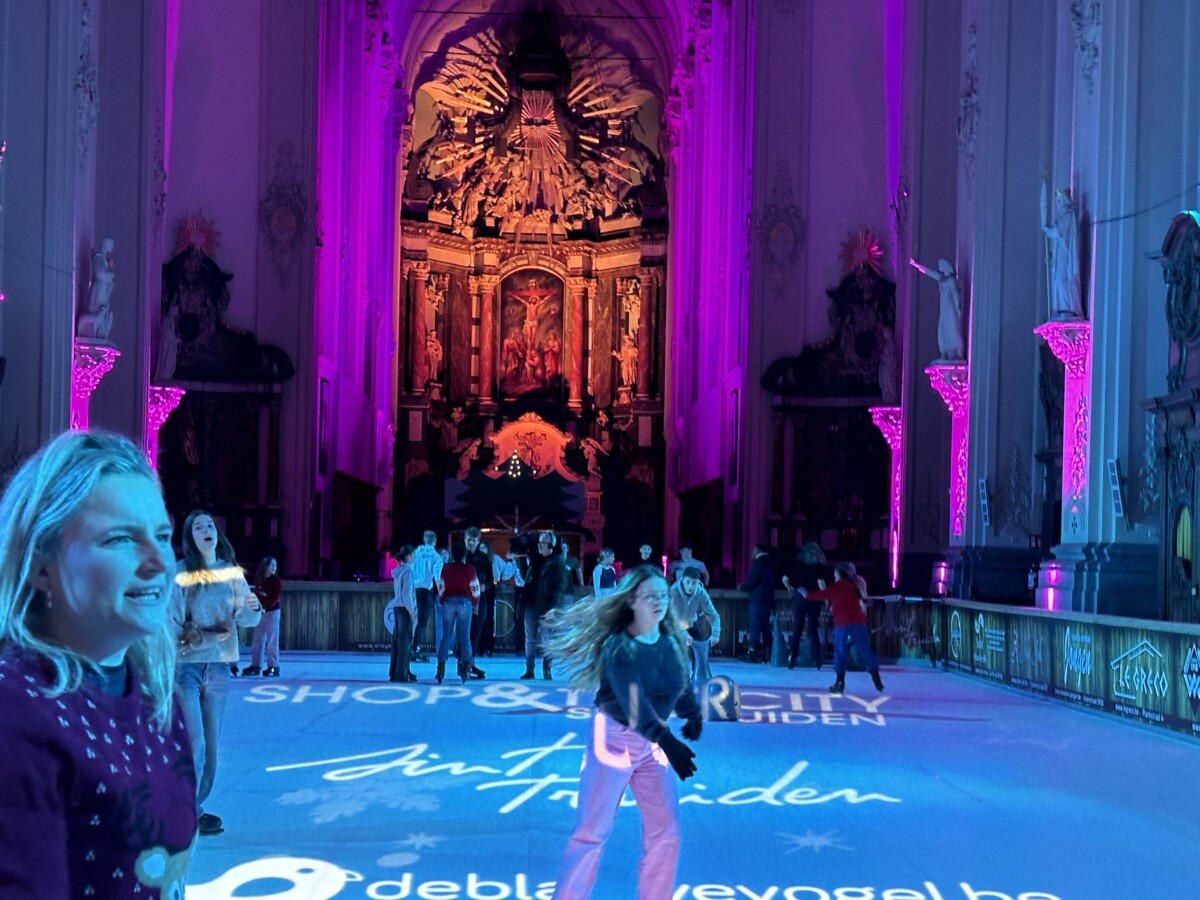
x=193, y=559
x=42, y=499
x=260, y=574
x=578, y=632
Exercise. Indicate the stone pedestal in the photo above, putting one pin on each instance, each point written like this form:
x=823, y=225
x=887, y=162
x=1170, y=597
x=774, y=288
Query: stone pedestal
x=952, y=382
x=91, y=362
x=160, y=403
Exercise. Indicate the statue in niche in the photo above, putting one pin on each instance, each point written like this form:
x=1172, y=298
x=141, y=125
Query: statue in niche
x=627, y=356
x=551, y=350
x=433, y=355
x=436, y=286
x=168, y=346
x=951, y=345
x=96, y=321
x=630, y=290
x=1062, y=254
x=889, y=385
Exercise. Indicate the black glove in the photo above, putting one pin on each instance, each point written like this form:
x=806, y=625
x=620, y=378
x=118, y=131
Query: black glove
x=692, y=727
x=679, y=755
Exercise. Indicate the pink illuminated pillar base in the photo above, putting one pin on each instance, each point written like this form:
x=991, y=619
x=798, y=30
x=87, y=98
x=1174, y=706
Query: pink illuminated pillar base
x=953, y=382
x=890, y=421
x=1071, y=342
x=160, y=403
x=90, y=363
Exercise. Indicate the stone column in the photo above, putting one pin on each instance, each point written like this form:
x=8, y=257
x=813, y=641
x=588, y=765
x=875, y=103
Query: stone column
x=91, y=363
x=578, y=287
x=415, y=273
x=952, y=381
x=483, y=287
x=647, y=340
x=890, y=421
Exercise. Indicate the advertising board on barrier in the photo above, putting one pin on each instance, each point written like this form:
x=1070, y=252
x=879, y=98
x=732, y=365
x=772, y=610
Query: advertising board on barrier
x=1029, y=653
x=989, y=644
x=1141, y=670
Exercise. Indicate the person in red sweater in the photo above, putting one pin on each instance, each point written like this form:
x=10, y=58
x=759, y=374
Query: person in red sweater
x=845, y=598
x=267, y=587
x=458, y=585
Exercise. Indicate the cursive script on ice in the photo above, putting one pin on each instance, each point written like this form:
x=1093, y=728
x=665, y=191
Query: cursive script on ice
x=523, y=784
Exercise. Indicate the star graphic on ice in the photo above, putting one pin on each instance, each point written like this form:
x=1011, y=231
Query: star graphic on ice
x=810, y=841
x=421, y=840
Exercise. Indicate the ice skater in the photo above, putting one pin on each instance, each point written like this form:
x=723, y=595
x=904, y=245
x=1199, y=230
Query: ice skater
x=846, y=598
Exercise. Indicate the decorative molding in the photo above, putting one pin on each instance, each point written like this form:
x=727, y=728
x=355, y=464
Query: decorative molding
x=90, y=363
x=968, y=105
x=1150, y=471
x=87, y=86
x=1017, y=503
x=1085, y=19
x=782, y=230
x=1070, y=342
x=283, y=213
x=535, y=443
x=953, y=384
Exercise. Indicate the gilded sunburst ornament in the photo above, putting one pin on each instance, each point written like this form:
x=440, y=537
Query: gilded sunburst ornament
x=196, y=231
x=862, y=251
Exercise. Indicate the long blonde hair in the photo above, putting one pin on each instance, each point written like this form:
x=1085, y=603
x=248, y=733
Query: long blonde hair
x=578, y=632
x=42, y=499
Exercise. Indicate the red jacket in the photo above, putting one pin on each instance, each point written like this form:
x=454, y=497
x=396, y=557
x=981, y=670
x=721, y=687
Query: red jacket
x=843, y=599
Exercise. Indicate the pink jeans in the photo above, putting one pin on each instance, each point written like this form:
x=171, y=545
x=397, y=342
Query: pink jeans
x=617, y=757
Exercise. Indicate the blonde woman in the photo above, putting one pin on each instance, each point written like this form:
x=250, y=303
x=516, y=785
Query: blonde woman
x=626, y=646
x=98, y=796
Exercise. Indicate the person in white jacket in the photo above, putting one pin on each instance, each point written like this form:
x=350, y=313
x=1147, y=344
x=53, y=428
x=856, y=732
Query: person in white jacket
x=211, y=599
x=402, y=613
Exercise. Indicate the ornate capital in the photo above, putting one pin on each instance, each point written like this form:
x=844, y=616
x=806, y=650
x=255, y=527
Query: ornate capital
x=890, y=421
x=577, y=284
x=953, y=383
x=160, y=403
x=1070, y=341
x=420, y=266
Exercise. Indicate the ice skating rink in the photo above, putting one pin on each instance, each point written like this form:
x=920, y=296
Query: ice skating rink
x=334, y=783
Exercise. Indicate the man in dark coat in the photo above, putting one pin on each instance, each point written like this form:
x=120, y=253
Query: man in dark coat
x=760, y=588
x=541, y=596
x=482, y=561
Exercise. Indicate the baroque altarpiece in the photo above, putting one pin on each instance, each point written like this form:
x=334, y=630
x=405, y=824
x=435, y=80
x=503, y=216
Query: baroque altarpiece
x=534, y=228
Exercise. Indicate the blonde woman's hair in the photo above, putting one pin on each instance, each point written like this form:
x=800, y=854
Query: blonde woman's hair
x=578, y=632
x=40, y=501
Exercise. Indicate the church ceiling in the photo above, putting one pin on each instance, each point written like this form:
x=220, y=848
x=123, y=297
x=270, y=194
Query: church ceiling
x=535, y=126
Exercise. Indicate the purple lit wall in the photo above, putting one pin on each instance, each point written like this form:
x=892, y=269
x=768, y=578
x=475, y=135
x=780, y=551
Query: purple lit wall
x=890, y=421
x=952, y=382
x=1071, y=342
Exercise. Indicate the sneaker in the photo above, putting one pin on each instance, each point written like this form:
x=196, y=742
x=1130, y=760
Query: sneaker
x=273, y=672
x=255, y=670
x=209, y=824
x=878, y=681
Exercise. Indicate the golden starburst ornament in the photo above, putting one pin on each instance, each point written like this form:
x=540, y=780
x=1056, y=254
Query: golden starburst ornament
x=861, y=250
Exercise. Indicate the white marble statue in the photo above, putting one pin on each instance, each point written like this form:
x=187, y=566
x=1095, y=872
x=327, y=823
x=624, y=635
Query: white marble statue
x=1062, y=255
x=168, y=346
x=96, y=320
x=951, y=344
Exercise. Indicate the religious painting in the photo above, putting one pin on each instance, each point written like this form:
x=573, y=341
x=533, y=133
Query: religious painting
x=531, y=332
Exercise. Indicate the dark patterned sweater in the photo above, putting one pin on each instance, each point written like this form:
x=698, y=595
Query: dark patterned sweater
x=95, y=803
